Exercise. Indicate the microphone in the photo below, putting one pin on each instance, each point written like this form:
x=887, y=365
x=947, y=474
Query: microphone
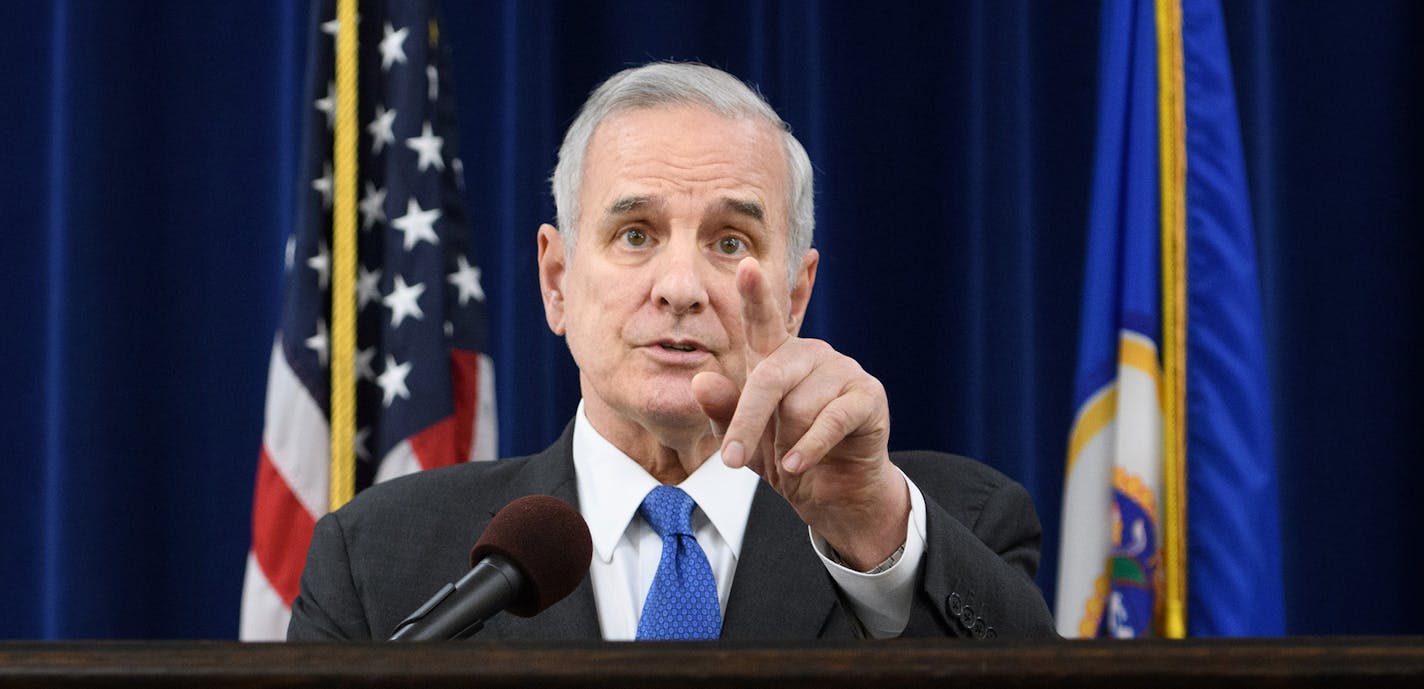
x=534, y=552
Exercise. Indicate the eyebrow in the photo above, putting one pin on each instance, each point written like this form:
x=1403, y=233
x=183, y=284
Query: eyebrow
x=628, y=204
x=751, y=209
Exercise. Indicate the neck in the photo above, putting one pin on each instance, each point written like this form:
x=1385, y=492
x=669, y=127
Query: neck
x=669, y=454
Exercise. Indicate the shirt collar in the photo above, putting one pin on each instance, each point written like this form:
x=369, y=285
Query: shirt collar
x=611, y=486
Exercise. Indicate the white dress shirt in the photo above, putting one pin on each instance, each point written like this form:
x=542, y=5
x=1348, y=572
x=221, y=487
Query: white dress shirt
x=626, y=549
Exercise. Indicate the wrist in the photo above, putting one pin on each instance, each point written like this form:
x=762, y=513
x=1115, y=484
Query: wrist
x=873, y=536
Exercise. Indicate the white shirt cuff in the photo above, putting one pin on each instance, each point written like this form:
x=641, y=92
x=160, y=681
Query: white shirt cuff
x=882, y=600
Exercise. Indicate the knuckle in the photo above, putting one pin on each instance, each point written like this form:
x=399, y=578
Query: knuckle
x=820, y=347
x=875, y=387
x=771, y=373
x=836, y=421
x=794, y=407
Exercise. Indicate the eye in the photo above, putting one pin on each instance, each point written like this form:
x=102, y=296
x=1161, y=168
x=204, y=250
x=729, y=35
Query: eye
x=635, y=237
x=731, y=246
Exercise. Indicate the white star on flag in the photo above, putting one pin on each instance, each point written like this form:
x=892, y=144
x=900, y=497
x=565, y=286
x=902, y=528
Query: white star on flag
x=372, y=206
x=364, y=358
x=392, y=381
x=381, y=129
x=393, y=47
x=368, y=286
x=428, y=146
x=320, y=342
x=359, y=443
x=404, y=301
x=417, y=224
x=323, y=185
x=467, y=281
x=321, y=263
x=333, y=27
x=328, y=104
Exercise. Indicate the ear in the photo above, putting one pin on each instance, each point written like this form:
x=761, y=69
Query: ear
x=552, y=265
x=801, y=291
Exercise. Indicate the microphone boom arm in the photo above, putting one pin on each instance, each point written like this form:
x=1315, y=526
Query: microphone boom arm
x=489, y=587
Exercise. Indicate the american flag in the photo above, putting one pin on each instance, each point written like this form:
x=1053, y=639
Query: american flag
x=425, y=389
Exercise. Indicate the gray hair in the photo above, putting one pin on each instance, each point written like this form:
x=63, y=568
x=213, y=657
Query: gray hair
x=673, y=83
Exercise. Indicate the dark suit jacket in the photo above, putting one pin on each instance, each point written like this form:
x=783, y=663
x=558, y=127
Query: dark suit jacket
x=381, y=556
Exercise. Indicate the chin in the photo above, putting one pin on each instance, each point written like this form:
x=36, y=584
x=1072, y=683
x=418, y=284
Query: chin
x=673, y=409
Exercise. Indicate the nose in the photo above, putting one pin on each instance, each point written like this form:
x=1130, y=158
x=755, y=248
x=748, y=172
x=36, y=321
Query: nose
x=679, y=286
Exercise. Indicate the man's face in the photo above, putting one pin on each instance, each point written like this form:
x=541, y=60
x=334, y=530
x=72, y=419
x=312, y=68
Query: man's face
x=672, y=199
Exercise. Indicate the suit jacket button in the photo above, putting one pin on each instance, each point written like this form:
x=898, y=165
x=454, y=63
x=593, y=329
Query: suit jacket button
x=989, y=633
x=979, y=631
x=954, y=604
x=967, y=616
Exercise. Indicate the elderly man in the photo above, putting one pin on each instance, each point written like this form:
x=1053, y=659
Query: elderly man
x=679, y=276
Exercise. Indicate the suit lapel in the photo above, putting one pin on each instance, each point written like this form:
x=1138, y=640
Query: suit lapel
x=780, y=589
x=576, y=617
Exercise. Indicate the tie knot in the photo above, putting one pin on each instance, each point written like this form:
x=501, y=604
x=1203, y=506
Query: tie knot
x=669, y=510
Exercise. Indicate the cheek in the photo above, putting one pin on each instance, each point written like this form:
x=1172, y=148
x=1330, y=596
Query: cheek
x=603, y=305
x=727, y=304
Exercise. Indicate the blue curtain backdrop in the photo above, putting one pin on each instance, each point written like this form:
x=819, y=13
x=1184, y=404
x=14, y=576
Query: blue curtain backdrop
x=147, y=178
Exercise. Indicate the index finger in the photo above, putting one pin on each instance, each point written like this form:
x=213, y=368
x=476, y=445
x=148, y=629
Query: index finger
x=762, y=320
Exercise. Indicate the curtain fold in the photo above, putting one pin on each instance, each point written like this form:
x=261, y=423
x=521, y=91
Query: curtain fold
x=147, y=182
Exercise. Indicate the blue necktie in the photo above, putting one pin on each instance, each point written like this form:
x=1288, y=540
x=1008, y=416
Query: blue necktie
x=682, y=603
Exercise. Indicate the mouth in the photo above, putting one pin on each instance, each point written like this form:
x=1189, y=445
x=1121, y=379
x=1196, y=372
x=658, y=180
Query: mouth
x=679, y=351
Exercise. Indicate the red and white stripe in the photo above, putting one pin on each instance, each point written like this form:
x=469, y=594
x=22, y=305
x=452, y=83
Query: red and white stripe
x=293, y=479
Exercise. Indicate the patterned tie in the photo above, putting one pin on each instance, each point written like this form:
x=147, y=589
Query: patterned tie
x=682, y=603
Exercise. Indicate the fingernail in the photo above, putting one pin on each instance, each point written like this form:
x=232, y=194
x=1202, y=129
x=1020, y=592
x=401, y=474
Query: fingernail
x=733, y=454
x=792, y=462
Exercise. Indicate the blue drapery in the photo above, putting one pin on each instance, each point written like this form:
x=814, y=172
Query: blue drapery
x=147, y=178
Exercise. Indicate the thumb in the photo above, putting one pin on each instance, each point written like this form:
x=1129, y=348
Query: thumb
x=717, y=395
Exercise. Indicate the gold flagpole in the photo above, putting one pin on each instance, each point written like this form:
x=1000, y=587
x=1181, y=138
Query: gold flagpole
x=343, y=263
x=1172, y=136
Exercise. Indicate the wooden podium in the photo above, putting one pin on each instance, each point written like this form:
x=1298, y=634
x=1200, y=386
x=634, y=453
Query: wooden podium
x=1301, y=662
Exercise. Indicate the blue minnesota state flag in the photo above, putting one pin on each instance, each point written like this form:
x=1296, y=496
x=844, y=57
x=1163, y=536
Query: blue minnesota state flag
x=1170, y=519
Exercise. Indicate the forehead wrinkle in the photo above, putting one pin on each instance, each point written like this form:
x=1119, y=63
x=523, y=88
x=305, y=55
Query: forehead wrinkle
x=687, y=166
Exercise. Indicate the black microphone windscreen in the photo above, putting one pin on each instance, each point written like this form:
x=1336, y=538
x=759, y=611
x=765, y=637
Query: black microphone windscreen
x=548, y=540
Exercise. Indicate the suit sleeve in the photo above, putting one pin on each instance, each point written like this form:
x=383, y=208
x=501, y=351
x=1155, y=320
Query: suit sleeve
x=328, y=607
x=978, y=578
